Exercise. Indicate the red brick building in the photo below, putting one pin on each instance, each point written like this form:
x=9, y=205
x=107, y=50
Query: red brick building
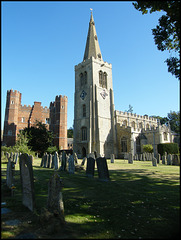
x=18, y=117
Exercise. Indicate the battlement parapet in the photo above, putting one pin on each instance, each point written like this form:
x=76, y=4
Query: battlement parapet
x=61, y=97
x=134, y=115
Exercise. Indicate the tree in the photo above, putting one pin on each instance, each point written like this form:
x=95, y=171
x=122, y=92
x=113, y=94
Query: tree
x=167, y=32
x=148, y=148
x=172, y=119
x=39, y=138
x=70, y=132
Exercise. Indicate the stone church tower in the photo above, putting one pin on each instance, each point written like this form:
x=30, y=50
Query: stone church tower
x=94, y=123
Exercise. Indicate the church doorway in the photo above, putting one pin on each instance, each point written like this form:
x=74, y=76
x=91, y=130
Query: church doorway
x=83, y=152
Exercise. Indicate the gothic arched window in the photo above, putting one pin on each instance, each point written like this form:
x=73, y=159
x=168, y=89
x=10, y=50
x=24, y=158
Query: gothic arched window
x=104, y=84
x=84, y=133
x=100, y=78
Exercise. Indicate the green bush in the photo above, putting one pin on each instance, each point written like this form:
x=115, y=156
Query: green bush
x=52, y=149
x=170, y=148
x=148, y=148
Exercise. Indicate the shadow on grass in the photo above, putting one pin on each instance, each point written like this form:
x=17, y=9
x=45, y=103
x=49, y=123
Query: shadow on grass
x=132, y=205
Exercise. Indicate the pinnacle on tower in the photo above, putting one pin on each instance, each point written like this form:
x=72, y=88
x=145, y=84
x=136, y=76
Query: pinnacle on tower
x=92, y=48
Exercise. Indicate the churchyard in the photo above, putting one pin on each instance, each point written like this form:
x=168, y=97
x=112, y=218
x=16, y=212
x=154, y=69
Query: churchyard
x=126, y=199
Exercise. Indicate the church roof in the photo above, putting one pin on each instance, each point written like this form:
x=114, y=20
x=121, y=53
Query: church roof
x=92, y=46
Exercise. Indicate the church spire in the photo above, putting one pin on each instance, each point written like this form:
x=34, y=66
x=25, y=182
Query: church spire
x=92, y=46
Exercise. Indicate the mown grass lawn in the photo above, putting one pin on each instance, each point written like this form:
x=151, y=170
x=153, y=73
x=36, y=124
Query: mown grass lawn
x=140, y=201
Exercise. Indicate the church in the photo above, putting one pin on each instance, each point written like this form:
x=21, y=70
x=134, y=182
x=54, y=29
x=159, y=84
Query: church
x=98, y=127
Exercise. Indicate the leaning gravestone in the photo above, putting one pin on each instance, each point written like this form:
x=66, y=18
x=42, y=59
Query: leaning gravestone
x=27, y=184
x=112, y=158
x=102, y=168
x=71, y=164
x=130, y=159
x=90, y=167
x=55, y=198
x=154, y=162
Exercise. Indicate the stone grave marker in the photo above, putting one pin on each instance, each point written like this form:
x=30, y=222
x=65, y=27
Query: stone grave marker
x=49, y=160
x=163, y=159
x=112, y=158
x=45, y=160
x=158, y=158
x=27, y=182
x=175, y=160
x=169, y=159
x=102, y=168
x=56, y=160
x=31, y=158
x=64, y=162
x=130, y=159
x=55, y=198
x=71, y=164
x=154, y=162
x=90, y=167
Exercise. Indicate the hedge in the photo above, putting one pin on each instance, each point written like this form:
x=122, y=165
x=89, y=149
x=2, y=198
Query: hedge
x=170, y=148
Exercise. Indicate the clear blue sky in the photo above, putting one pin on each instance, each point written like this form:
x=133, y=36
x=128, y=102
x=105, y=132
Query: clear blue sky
x=41, y=42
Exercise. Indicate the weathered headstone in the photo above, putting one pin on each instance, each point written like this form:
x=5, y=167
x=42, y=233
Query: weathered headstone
x=130, y=159
x=90, y=167
x=71, y=164
x=49, y=160
x=45, y=160
x=169, y=159
x=42, y=160
x=56, y=160
x=144, y=157
x=27, y=182
x=163, y=159
x=83, y=161
x=112, y=158
x=175, y=160
x=55, y=198
x=16, y=158
x=154, y=162
x=102, y=168
x=158, y=158
x=64, y=162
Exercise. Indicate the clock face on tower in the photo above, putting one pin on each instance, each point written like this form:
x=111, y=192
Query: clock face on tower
x=103, y=94
x=83, y=94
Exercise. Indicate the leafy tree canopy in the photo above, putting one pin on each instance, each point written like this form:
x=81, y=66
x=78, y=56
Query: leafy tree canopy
x=39, y=138
x=173, y=118
x=70, y=132
x=167, y=32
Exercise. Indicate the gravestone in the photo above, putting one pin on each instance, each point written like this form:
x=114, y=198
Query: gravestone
x=144, y=157
x=49, y=160
x=83, y=161
x=102, y=168
x=71, y=164
x=90, y=167
x=10, y=173
x=163, y=159
x=169, y=159
x=130, y=159
x=41, y=164
x=16, y=158
x=112, y=158
x=55, y=198
x=154, y=162
x=176, y=160
x=158, y=158
x=64, y=162
x=27, y=182
x=45, y=160
x=75, y=158
x=56, y=160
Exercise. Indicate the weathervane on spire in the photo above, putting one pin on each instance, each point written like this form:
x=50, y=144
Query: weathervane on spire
x=91, y=9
